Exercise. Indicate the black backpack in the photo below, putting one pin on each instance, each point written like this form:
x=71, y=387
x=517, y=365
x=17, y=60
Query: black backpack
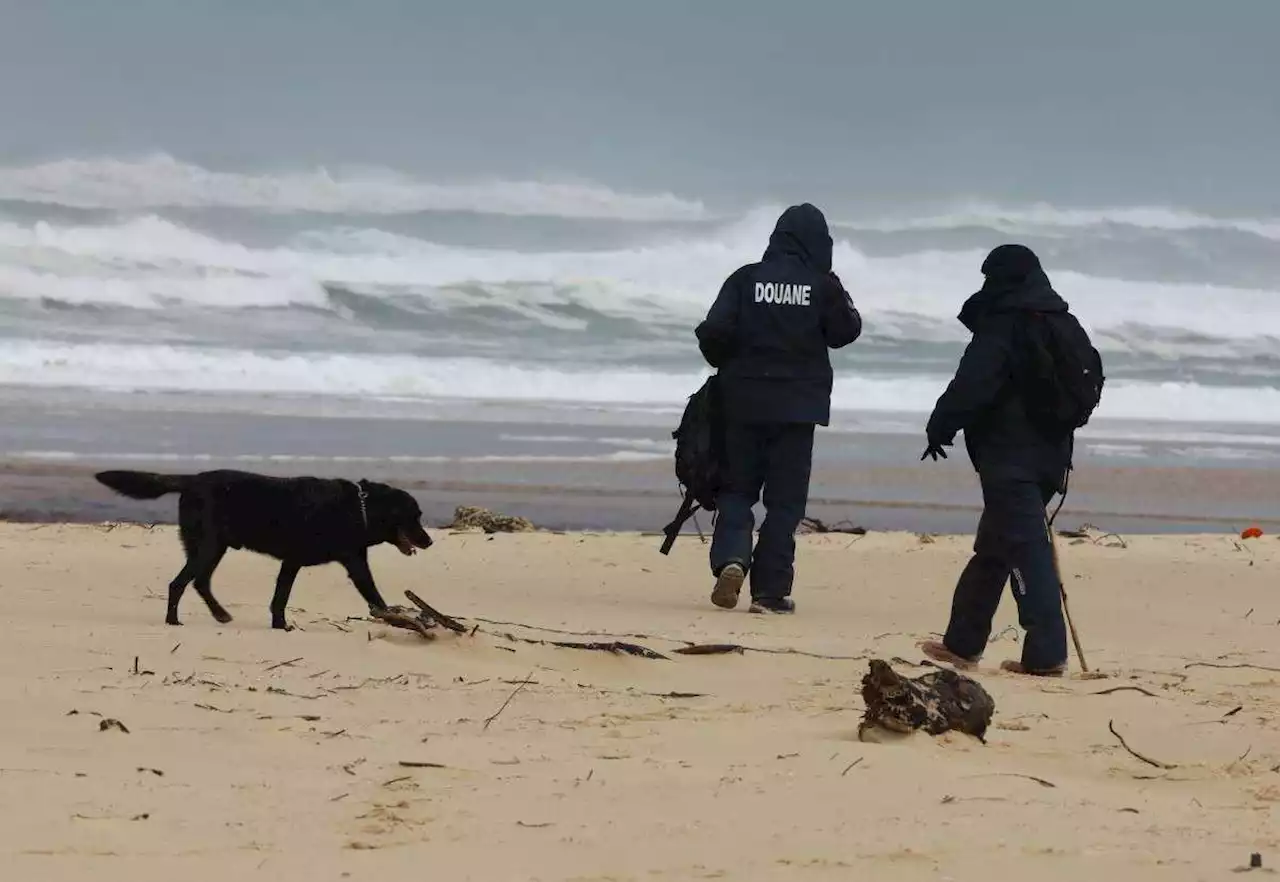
x=1061, y=377
x=699, y=455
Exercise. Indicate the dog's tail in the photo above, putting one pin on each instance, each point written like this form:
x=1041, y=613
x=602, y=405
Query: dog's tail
x=142, y=485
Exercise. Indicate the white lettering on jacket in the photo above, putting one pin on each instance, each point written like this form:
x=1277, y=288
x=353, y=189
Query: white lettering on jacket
x=782, y=293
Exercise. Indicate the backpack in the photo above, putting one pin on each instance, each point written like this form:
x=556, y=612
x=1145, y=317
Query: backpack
x=699, y=454
x=1061, y=378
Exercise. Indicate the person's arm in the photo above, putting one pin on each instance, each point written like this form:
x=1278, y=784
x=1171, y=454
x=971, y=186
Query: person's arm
x=841, y=323
x=718, y=333
x=980, y=377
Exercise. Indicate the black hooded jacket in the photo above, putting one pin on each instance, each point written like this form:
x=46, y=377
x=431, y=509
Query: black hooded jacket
x=770, y=328
x=981, y=400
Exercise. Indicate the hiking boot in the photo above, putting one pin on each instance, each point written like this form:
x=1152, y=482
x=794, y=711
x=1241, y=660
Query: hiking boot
x=775, y=605
x=1017, y=667
x=728, y=586
x=937, y=650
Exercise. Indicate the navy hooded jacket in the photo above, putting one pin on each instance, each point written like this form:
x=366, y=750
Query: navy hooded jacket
x=981, y=400
x=770, y=330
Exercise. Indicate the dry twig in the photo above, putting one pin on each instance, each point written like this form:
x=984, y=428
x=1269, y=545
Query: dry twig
x=284, y=664
x=1041, y=781
x=1237, y=666
x=1111, y=724
x=1125, y=689
x=523, y=683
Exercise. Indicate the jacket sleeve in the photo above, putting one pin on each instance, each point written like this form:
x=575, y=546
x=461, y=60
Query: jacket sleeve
x=841, y=323
x=980, y=378
x=718, y=333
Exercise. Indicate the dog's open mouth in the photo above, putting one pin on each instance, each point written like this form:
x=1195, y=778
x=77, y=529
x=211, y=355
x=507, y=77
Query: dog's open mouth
x=409, y=543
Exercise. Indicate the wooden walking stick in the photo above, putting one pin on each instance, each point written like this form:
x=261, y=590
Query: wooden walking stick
x=1062, y=588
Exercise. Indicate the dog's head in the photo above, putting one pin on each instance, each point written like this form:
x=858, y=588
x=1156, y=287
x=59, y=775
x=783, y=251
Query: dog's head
x=395, y=517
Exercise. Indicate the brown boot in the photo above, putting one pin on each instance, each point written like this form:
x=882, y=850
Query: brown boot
x=937, y=650
x=1016, y=667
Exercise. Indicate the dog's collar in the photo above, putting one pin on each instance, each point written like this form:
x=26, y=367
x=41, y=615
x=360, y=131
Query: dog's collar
x=361, y=496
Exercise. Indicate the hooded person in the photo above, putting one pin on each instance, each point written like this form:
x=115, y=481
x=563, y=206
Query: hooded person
x=769, y=333
x=1020, y=471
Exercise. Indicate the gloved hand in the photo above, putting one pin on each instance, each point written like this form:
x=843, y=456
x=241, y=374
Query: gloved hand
x=935, y=450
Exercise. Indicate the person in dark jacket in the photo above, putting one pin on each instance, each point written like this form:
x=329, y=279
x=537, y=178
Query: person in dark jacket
x=768, y=333
x=1019, y=469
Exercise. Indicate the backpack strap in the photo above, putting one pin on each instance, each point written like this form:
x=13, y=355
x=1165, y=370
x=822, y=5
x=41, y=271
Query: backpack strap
x=687, y=509
x=1066, y=483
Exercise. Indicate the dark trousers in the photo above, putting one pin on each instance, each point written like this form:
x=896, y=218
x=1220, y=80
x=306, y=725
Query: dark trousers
x=1012, y=545
x=776, y=459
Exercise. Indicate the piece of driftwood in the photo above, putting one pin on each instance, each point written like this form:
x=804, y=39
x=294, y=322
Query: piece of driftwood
x=936, y=702
x=710, y=649
x=424, y=621
x=436, y=616
x=816, y=525
x=1090, y=533
x=616, y=646
x=400, y=617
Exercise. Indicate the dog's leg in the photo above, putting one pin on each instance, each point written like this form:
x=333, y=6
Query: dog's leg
x=176, y=588
x=205, y=589
x=357, y=567
x=199, y=567
x=280, y=600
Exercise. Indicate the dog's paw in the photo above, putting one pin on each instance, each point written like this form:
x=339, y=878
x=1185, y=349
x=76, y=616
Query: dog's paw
x=222, y=616
x=281, y=626
x=173, y=621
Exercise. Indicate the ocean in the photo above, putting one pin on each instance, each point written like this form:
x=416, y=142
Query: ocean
x=443, y=243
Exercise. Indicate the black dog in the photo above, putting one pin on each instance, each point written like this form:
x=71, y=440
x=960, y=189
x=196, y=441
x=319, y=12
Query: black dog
x=301, y=522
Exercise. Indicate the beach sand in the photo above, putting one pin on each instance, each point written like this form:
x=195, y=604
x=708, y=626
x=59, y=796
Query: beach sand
x=258, y=754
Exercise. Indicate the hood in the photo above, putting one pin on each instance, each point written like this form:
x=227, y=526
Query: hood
x=1015, y=282
x=801, y=233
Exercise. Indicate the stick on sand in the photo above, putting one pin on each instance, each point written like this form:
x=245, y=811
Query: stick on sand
x=1062, y=588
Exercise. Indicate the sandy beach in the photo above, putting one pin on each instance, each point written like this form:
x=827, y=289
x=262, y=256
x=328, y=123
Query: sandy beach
x=350, y=750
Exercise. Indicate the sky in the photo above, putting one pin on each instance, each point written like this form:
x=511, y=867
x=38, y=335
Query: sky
x=1128, y=102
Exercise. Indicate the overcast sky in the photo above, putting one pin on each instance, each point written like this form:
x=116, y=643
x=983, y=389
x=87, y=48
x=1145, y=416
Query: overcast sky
x=1087, y=102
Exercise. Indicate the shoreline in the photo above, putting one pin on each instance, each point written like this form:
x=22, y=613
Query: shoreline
x=594, y=469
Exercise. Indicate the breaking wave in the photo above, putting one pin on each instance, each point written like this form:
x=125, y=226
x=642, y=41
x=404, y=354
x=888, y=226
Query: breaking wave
x=160, y=181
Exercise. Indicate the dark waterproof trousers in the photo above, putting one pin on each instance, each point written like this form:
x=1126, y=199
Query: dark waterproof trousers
x=1012, y=545
x=774, y=459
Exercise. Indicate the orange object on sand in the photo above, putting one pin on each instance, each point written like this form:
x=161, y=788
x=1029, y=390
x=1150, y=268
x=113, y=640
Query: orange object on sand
x=1252, y=533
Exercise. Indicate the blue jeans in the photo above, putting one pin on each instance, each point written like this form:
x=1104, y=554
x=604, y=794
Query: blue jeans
x=774, y=459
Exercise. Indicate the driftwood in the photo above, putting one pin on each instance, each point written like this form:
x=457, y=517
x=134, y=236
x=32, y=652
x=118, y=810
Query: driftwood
x=428, y=617
x=448, y=621
x=1090, y=533
x=614, y=647
x=815, y=525
x=423, y=622
x=936, y=702
x=710, y=649
x=399, y=617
